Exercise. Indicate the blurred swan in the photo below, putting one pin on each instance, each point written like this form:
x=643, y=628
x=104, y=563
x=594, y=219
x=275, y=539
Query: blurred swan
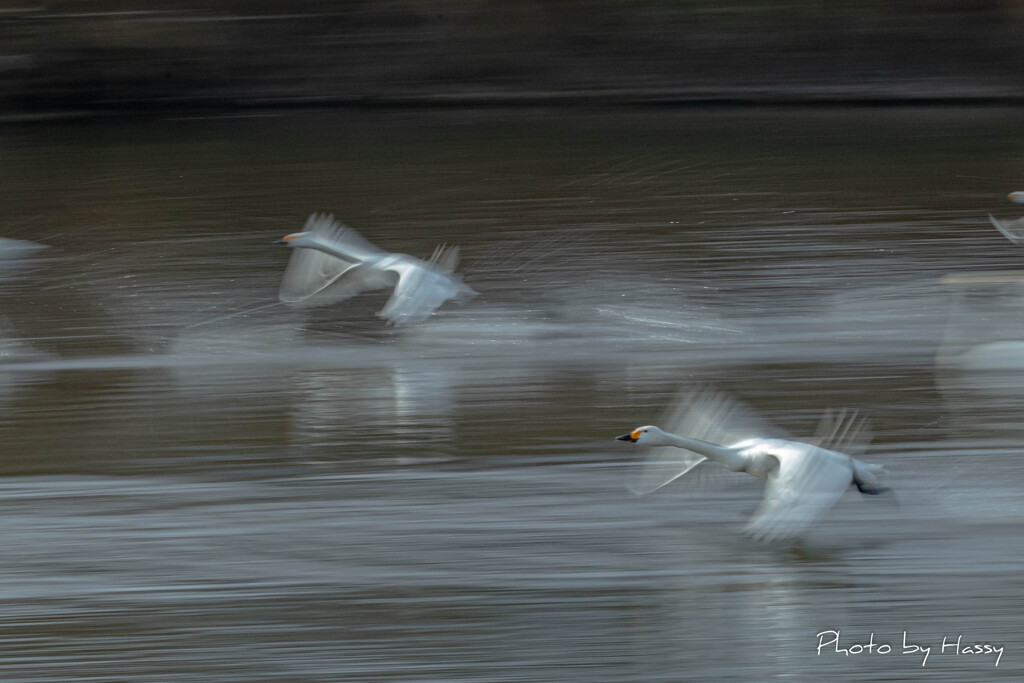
x=10, y=248
x=14, y=256
x=332, y=263
x=803, y=480
x=1016, y=197
x=1012, y=230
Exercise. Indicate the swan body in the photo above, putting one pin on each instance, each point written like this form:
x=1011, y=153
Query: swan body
x=803, y=480
x=332, y=263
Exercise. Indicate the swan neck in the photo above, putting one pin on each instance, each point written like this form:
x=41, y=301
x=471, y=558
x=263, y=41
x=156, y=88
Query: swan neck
x=712, y=451
x=333, y=249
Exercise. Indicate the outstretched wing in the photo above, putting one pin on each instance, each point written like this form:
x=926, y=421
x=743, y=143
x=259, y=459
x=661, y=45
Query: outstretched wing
x=1012, y=230
x=807, y=482
x=445, y=259
x=315, y=278
x=703, y=413
x=845, y=431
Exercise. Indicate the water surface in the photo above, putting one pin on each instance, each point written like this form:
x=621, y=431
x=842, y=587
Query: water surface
x=202, y=484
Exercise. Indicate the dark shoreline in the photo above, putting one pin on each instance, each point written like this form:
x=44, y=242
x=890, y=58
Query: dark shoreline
x=512, y=101
x=95, y=58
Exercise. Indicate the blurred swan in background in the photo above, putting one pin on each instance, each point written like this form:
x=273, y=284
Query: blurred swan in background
x=15, y=256
x=332, y=262
x=803, y=480
x=11, y=248
x=1012, y=230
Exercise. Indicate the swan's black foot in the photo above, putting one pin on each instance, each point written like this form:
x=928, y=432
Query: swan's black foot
x=869, y=490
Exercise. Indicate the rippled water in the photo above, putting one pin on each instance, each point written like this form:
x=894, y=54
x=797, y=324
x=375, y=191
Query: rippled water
x=202, y=484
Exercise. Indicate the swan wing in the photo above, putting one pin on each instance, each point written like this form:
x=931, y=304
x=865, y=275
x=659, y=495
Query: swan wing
x=704, y=413
x=807, y=482
x=845, y=431
x=339, y=237
x=445, y=259
x=315, y=277
x=661, y=467
x=419, y=292
x=1011, y=230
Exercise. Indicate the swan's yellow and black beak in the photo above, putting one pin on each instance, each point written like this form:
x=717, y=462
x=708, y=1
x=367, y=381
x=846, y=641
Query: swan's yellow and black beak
x=288, y=238
x=632, y=436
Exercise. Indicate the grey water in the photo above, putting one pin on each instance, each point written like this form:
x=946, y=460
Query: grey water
x=200, y=484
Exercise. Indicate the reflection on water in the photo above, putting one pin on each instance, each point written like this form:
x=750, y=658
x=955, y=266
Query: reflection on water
x=203, y=483
x=980, y=363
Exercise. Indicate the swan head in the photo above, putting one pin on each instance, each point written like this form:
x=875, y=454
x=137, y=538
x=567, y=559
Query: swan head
x=1016, y=197
x=647, y=436
x=296, y=239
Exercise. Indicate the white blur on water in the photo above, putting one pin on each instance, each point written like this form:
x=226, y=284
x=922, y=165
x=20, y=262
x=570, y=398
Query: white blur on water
x=203, y=484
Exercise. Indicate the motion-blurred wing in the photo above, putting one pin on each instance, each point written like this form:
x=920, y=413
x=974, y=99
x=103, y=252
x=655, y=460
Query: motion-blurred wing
x=661, y=467
x=1012, y=230
x=445, y=259
x=844, y=431
x=702, y=413
x=316, y=278
x=800, y=491
x=420, y=291
x=328, y=229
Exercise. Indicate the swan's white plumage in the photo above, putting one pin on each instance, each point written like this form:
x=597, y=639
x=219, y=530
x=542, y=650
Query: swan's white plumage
x=316, y=278
x=803, y=480
x=331, y=262
x=806, y=481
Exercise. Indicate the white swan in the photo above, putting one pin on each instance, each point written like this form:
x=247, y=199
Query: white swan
x=332, y=262
x=803, y=480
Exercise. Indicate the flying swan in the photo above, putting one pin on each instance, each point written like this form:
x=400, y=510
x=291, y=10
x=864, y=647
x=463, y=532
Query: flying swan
x=803, y=480
x=332, y=262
